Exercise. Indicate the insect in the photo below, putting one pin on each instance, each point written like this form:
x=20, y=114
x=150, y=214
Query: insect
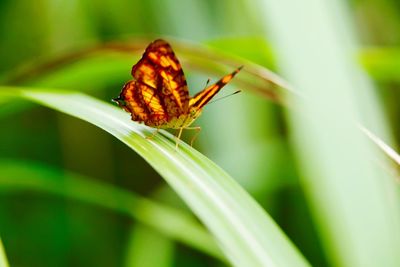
x=158, y=95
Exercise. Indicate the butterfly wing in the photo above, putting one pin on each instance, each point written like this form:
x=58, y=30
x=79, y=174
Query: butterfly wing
x=158, y=94
x=198, y=101
x=160, y=71
x=143, y=103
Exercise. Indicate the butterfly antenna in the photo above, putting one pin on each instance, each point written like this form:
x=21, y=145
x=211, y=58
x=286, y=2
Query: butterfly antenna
x=218, y=99
x=207, y=82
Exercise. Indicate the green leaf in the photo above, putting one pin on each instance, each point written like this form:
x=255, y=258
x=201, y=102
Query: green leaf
x=354, y=201
x=143, y=243
x=3, y=257
x=244, y=231
x=383, y=63
x=16, y=176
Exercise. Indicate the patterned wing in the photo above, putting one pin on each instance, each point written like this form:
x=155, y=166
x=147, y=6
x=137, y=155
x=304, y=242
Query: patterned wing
x=143, y=103
x=160, y=70
x=198, y=101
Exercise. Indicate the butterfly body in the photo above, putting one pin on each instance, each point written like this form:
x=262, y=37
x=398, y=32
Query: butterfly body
x=158, y=95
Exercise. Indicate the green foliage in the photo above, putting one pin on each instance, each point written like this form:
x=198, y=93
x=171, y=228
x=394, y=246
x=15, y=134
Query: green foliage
x=73, y=195
x=3, y=258
x=22, y=176
x=234, y=218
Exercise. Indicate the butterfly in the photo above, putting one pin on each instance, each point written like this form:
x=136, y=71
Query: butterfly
x=158, y=94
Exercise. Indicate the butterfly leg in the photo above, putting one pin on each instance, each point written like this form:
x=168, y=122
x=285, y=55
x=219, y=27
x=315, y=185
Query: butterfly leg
x=153, y=134
x=198, y=129
x=178, y=137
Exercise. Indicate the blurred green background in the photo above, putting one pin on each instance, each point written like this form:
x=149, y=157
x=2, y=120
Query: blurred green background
x=248, y=136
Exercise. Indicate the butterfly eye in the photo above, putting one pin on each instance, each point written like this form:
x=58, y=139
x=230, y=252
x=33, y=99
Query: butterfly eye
x=119, y=101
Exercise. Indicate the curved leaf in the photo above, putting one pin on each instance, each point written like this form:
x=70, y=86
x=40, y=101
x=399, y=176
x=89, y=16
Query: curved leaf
x=3, y=258
x=244, y=231
x=16, y=176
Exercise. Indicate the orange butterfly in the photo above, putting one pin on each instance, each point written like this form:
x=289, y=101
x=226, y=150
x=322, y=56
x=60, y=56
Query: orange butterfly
x=158, y=95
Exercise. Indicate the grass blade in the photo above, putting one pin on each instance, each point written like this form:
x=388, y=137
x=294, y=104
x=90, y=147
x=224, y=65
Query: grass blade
x=3, y=257
x=16, y=176
x=354, y=202
x=143, y=243
x=246, y=234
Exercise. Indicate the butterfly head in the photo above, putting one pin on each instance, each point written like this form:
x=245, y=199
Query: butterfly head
x=119, y=100
x=121, y=103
